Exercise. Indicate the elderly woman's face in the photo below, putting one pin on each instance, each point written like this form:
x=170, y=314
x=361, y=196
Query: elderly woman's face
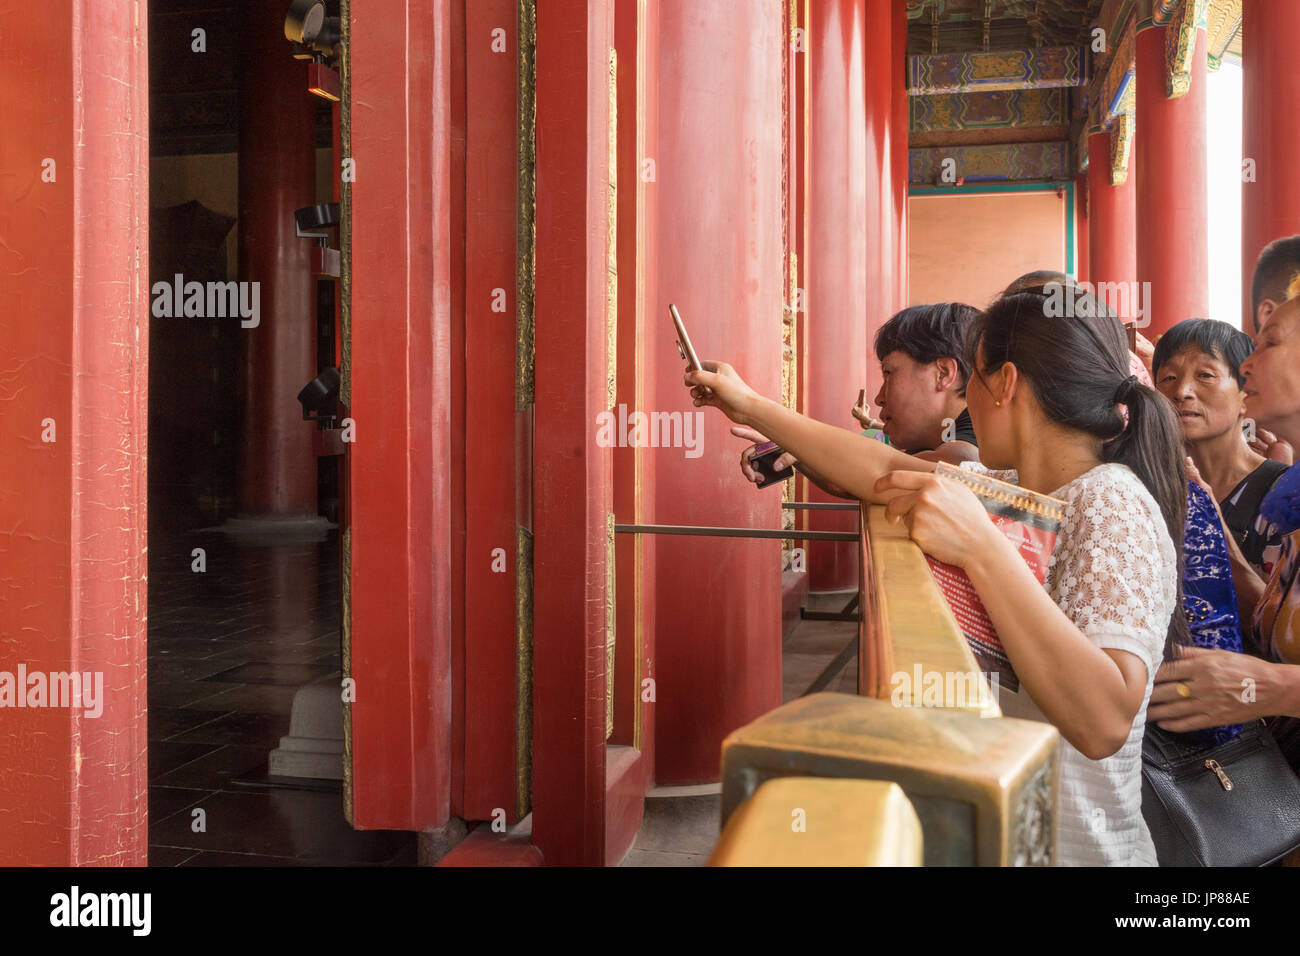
x=1273, y=373
x=1203, y=391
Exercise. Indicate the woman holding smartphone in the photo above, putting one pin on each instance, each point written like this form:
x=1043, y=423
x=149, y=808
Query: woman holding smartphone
x=1045, y=400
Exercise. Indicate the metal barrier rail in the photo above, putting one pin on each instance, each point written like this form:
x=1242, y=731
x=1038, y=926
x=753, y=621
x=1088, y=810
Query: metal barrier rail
x=820, y=506
x=709, y=532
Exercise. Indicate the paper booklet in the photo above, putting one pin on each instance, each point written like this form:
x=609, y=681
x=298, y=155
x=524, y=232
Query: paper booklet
x=1031, y=522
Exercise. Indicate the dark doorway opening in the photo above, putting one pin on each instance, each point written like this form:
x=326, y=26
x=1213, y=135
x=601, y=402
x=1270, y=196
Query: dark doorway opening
x=244, y=614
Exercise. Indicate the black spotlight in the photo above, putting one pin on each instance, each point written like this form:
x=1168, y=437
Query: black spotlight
x=321, y=397
x=320, y=216
x=307, y=25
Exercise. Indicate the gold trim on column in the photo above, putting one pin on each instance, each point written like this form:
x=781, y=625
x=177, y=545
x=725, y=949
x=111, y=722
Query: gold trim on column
x=1222, y=30
x=1180, y=45
x=1121, y=146
x=611, y=242
x=345, y=211
x=345, y=666
x=525, y=277
x=638, y=454
x=523, y=671
x=788, y=232
x=611, y=371
x=345, y=374
x=789, y=382
x=526, y=234
x=611, y=623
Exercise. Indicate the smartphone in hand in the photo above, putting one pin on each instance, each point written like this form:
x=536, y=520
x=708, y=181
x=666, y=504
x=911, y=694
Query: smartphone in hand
x=763, y=461
x=684, y=347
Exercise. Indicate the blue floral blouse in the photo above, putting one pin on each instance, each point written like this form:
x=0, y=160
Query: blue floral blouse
x=1209, y=599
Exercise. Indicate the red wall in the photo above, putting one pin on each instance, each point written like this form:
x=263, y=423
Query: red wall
x=572, y=484
x=74, y=346
x=401, y=401
x=849, y=255
x=491, y=83
x=718, y=613
x=1173, y=250
x=967, y=246
x=1270, y=206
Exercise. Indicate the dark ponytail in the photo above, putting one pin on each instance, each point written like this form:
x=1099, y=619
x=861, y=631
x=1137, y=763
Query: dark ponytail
x=1074, y=355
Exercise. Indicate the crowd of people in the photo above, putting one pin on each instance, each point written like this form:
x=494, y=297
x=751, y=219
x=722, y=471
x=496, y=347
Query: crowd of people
x=1168, y=599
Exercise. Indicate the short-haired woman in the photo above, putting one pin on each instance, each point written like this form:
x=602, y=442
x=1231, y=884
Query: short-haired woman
x=1197, y=366
x=1045, y=401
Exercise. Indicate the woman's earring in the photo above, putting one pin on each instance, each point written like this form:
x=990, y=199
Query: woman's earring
x=998, y=403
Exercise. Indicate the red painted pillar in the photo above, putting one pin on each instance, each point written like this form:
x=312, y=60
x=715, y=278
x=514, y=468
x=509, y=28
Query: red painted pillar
x=572, y=488
x=277, y=174
x=399, y=546
x=1112, y=217
x=74, y=261
x=851, y=258
x=639, y=325
x=718, y=616
x=1172, y=228
x=1270, y=136
x=898, y=171
x=1082, y=231
x=491, y=85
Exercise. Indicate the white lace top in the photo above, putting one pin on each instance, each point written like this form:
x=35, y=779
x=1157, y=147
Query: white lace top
x=1115, y=575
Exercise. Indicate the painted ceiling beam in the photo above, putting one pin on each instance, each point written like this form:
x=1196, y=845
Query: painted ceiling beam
x=1037, y=69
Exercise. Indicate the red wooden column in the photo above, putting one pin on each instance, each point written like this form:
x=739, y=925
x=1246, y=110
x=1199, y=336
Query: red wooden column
x=74, y=262
x=1112, y=217
x=277, y=174
x=400, y=535
x=851, y=259
x=491, y=164
x=572, y=490
x=458, y=220
x=640, y=323
x=857, y=123
x=1082, y=230
x=1172, y=240
x=898, y=171
x=1270, y=135
x=718, y=616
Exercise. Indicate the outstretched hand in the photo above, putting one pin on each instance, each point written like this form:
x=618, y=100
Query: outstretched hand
x=717, y=384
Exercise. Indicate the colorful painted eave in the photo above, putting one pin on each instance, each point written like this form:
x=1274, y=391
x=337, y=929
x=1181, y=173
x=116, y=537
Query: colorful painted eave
x=1037, y=69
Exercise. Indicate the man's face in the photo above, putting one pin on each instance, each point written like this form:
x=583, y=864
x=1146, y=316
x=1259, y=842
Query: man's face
x=1203, y=392
x=1273, y=372
x=911, y=402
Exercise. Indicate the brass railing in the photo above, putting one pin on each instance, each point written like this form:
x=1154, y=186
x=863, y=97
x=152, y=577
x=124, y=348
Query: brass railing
x=982, y=786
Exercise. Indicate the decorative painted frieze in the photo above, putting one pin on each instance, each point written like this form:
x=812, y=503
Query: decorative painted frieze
x=1000, y=109
x=1012, y=162
x=1037, y=69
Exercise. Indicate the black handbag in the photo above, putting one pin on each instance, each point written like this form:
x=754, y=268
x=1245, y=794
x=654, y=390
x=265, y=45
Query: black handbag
x=1237, y=804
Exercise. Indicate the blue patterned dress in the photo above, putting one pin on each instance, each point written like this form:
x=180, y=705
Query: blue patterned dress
x=1209, y=599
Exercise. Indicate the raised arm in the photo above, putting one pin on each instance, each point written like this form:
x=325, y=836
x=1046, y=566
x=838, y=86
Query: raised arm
x=846, y=459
